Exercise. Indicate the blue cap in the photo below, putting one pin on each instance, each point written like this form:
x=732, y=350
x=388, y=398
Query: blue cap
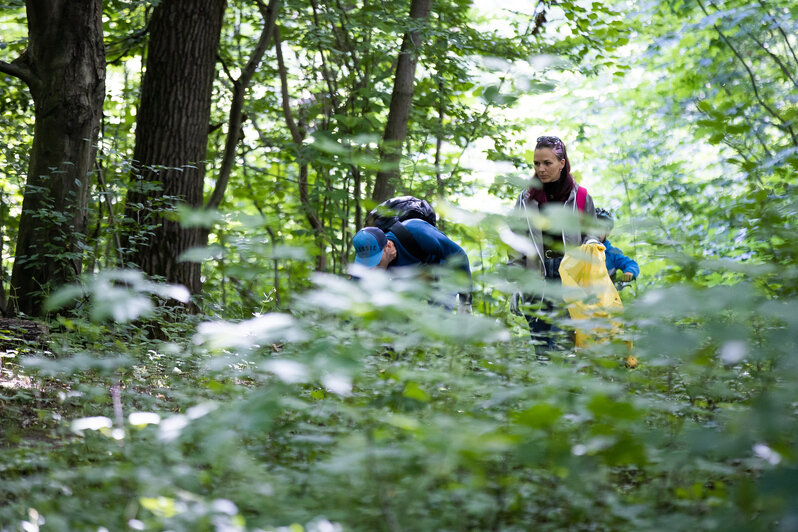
x=369, y=244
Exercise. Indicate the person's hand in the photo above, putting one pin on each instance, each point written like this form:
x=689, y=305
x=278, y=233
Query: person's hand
x=627, y=277
x=515, y=303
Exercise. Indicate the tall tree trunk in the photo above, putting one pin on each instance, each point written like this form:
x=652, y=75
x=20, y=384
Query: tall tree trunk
x=172, y=136
x=64, y=68
x=401, y=102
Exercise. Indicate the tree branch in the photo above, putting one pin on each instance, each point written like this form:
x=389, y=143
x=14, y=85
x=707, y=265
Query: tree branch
x=135, y=39
x=269, y=230
x=345, y=31
x=439, y=135
x=111, y=222
x=782, y=32
x=775, y=58
x=751, y=77
x=330, y=79
x=753, y=126
x=226, y=69
x=19, y=69
x=344, y=43
x=298, y=136
x=236, y=107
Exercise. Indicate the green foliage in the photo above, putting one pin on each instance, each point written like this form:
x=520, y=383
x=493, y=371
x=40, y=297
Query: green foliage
x=299, y=399
x=368, y=409
x=119, y=296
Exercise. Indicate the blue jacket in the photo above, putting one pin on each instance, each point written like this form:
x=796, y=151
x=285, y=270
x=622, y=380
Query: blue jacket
x=616, y=260
x=438, y=248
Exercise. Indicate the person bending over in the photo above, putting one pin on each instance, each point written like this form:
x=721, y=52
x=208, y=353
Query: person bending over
x=412, y=242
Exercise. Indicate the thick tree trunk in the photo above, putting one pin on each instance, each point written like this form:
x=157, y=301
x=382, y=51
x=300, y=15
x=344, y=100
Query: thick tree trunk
x=172, y=136
x=401, y=102
x=64, y=67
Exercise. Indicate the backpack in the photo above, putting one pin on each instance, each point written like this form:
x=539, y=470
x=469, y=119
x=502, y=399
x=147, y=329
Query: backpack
x=581, y=198
x=399, y=209
x=390, y=214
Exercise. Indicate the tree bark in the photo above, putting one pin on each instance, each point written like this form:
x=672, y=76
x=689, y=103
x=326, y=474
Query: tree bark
x=64, y=68
x=172, y=136
x=401, y=103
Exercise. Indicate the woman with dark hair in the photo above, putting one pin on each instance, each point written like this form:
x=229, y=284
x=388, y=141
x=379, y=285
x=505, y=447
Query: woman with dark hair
x=553, y=185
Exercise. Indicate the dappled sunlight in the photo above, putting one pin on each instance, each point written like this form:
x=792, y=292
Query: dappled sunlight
x=9, y=379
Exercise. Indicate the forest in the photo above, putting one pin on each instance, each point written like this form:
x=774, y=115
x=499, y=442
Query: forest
x=186, y=345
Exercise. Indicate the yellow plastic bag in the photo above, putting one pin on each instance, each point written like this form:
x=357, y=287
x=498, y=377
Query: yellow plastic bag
x=592, y=294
